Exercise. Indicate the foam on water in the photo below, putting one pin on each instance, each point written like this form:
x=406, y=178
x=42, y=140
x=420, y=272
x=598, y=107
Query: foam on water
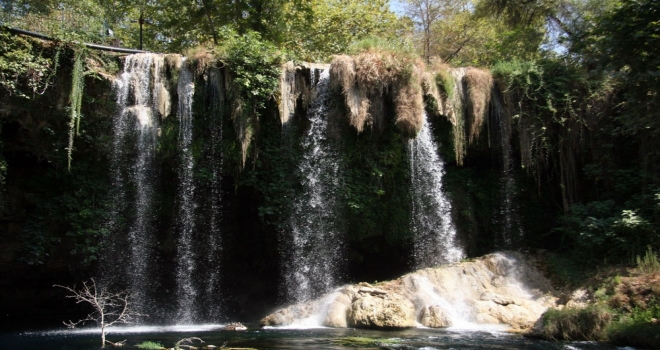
x=133, y=329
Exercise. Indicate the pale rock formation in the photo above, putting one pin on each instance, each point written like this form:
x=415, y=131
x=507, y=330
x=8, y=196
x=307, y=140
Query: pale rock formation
x=388, y=310
x=500, y=288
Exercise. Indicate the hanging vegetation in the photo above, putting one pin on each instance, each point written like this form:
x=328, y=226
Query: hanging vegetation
x=293, y=87
x=374, y=73
x=75, y=98
x=479, y=84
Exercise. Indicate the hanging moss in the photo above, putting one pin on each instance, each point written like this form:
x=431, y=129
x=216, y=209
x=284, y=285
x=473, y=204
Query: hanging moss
x=368, y=77
x=75, y=98
x=479, y=84
x=445, y=83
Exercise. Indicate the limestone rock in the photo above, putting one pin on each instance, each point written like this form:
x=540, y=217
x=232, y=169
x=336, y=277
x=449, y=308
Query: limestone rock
x=383, y=311
x=336, y=314
x=434, y=317
x=279, y=318
x=500, y=288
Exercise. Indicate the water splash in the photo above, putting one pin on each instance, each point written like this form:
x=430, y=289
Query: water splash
x=313, y=247
x=135, y=132
x=431, y=224
x=186, y=264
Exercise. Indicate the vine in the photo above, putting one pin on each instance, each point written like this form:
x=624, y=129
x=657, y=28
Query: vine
x=77, y=88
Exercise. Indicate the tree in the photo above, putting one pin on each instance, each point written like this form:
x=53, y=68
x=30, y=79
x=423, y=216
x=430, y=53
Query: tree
x=109, y=308
x=426, y=13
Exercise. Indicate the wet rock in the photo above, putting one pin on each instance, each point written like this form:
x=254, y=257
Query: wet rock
x=434, y=317
x=336, y=312
x=501, y=288
x=382, y=311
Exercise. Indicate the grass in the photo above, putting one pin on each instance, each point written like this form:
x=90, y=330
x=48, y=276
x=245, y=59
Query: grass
x=649, y=263
x=589, y=323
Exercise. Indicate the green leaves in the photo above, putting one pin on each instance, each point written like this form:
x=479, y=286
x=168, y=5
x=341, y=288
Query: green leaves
x=23, y=69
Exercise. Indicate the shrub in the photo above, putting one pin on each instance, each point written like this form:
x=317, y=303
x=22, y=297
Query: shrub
x=150, y=345
x=576, y=324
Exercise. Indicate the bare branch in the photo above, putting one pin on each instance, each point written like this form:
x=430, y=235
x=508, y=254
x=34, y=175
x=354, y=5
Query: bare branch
x=109, y=308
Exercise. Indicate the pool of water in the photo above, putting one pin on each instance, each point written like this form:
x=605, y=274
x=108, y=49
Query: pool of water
x=322, y=338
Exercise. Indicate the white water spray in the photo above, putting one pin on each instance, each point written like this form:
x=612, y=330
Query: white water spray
x=135, y=133
x=313, y=251
x=432, y=226
x=186, y=264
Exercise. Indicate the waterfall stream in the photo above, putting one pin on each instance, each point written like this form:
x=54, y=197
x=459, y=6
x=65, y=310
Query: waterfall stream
x=507, y=220
x=186, y=263
x=131, y=257
x=431, y=223
x=135, y=132
x=313, y=253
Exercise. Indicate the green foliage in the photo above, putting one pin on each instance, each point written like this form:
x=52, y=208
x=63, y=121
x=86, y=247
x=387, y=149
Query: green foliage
x=445, y=83
x=24, y=67
x=375, y=187
x=272, y=172
x=588, y=323
x=254, y=64
x=638, y=328
x=329, y=27
x=67, y=20
x=373, y=43
x=150, y=345
x=642, y=335
x=649, y=263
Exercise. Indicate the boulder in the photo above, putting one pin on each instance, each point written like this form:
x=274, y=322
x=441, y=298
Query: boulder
x=434, y=317
x=382, y=311
x=336, y=313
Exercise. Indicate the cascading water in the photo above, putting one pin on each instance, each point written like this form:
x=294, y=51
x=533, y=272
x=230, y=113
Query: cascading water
x=212, y=202
x=313, y=246
x=432, y=227
x=130, y=256
x=510, y=234
x=138, y=92
x=186, y=264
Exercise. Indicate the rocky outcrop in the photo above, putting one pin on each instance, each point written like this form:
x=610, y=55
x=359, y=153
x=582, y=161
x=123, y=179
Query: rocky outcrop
x=501, y=288
x=387, y=310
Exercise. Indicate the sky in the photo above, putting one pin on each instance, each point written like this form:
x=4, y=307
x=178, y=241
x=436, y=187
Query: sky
x=397, y=6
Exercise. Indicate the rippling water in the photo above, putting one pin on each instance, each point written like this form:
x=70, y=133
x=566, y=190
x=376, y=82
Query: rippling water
x=324, y=338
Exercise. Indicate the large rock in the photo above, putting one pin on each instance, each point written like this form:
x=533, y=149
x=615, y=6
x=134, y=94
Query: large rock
x=501, y=288
x=434, y=317
x=336, y=313
x=382, y=311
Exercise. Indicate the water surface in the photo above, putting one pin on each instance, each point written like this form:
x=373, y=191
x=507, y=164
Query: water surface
x=323, y=338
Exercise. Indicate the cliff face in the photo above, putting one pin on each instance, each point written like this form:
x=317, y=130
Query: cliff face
x=497, y=289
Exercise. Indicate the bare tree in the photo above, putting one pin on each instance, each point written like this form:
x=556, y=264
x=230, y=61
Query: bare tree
x=109, y=308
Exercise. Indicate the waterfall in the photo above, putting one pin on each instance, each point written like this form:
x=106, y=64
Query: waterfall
x=432, y=227
x=312, y=248
x=213, y=200
x=135, y=130
x=186, y=264
x=508, y=226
